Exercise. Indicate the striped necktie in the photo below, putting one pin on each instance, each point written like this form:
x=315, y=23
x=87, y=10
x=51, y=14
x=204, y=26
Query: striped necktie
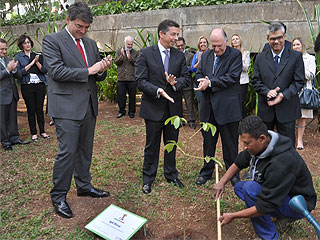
x=3, y=62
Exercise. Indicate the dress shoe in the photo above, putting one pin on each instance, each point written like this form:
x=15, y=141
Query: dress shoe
x=120, y=115
x=146, y=189
x=192, y=125
x=63, y=209
x=19, y=141
x=234, y=180
x=201, y=181
x=131, y=115
x=93, y=192
x=8, y=148
x=176, y=182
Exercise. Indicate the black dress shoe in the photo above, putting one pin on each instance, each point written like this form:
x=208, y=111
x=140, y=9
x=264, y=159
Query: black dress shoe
x=131, y=115
x=146, y=189
x=93, y=192
x=19, y=141
x=176, y=182
x=201, y=181
x=8, y=148
x=120, y=115
x=234, y=180
x=63, y=209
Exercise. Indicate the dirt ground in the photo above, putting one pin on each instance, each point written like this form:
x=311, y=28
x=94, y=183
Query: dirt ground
x=198, y=227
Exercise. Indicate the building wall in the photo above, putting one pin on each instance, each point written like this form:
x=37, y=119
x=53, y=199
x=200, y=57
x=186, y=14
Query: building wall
x=244, y=19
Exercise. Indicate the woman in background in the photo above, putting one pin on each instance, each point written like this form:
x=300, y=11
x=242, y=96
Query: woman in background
x=33, y=83
x=203, y=46
x=310, y=70
x=236, y=42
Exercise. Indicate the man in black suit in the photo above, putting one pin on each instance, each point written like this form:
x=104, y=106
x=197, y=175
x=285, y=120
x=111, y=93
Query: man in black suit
x=162, y=73
x=277, y=77
x=74, y=66
x=187, y=92
x=219, y=80
x=9, y=97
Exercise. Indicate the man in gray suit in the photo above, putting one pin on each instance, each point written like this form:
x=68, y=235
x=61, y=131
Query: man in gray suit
x=74, y=66
x=278, y=76
x=8, y=99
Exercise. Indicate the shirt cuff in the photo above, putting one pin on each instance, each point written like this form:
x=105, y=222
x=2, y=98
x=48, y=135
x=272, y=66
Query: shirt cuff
x=209, y=83
x=174, y=88
x=158, y=95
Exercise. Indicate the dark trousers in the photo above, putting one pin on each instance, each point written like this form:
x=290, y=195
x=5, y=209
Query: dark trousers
x=263, y=226
x=124, y=87
x=152, y=149
x=75, y=138
x=244, y=90
x=188, y=97
x=8, y=123
x=286, y=129
x=229, y=139
x=33, y=95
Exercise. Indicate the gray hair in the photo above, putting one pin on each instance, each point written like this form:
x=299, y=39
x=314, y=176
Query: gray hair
x=223, y=32
x=273, y=27
x=127, y=38
x=80, y=10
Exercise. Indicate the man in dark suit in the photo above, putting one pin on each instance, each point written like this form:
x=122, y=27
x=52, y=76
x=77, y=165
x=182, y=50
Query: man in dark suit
x=9, y=97
x=277, y=77
x=219, y=80
x=187, y=92
x=162, y=73
x=74, y=66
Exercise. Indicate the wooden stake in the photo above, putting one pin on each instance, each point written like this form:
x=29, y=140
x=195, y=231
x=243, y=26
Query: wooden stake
x=218, y=205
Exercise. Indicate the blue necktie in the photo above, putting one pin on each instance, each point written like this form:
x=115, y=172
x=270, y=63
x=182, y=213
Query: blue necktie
x=166, y=60
x=276, y=61
x=215, y=64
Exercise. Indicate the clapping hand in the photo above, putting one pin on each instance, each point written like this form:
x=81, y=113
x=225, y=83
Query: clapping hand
x=12, y=65
x=203, y=84
x=165, y=95
x=171, y=79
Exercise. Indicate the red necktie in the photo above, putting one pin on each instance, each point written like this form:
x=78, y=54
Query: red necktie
x=81, y=51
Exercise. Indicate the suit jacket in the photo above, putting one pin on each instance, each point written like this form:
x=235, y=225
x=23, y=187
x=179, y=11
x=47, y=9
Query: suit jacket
x=289, y=77
x=224, y=95
x=189, y=56
x=150, y=76
x=125, y=65
x=8, y=87
x=69, y=85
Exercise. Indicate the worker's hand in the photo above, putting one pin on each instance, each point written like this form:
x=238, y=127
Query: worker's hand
x=226, y=218
x=218, y=190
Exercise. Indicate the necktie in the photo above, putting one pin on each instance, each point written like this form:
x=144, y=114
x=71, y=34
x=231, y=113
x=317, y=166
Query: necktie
x=166, y=60
x=81, y=51
x=215, y=64
x=276, y=61
x=3, y=62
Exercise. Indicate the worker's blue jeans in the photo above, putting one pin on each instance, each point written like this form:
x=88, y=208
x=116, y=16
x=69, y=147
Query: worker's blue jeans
x=263, y=226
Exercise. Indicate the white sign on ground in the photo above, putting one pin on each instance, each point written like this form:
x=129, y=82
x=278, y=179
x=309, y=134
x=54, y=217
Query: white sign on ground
x=115, y=223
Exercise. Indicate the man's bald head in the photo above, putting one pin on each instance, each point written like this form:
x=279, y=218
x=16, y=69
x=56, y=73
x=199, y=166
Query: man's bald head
x=219, y=41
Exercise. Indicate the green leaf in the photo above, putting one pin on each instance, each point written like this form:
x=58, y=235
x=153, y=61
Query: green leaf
x=180, y=145
x=176, y=123
x=207, y=159
x=205, y=127
x=168, y=147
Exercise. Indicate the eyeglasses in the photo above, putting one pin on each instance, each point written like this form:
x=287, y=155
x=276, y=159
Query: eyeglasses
x=178, y=46
x=273, y=39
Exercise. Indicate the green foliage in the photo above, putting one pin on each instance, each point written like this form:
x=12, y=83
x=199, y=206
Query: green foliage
x=149, y=40
x=108, y=87
x=34, y=15
x=177, y=122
